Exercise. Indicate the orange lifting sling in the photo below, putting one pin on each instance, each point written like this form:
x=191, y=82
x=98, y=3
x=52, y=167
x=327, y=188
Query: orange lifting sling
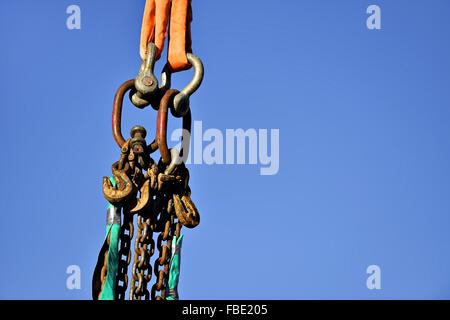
x=158, y=16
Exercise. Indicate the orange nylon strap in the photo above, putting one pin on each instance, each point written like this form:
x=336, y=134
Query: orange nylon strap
x=180, y=35
x=148, y=27
x=154, y=29
x=154, y=25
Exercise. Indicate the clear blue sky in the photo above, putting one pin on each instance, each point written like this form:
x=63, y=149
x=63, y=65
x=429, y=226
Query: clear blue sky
x=363, y=116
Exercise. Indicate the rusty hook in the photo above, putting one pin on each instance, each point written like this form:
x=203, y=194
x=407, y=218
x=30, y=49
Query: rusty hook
x=186, y=211
x=124, y=188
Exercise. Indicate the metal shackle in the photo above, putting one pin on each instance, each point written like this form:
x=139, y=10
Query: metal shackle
x=146, y=82
x=181, y=100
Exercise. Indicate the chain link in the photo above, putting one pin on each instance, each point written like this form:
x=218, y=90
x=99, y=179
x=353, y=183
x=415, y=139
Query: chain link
x=168, y=228
x=126, y=235
x=161, y=210
x=160, y=197
x=144, y=247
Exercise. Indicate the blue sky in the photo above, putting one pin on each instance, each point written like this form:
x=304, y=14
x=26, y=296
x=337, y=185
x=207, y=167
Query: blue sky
x=364, y=146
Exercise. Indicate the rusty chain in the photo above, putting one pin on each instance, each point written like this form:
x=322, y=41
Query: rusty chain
x=168, y=228
x=161, y=216
x=144, y=247
x=159, y=196
x=126, y=234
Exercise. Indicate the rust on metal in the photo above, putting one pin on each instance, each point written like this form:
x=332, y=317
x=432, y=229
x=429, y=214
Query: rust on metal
x=161, y=127
x=161, y=124
x=157, y=193
x=117, y=111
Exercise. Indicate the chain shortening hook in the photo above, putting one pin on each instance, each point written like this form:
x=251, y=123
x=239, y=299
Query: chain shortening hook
x=181, y=100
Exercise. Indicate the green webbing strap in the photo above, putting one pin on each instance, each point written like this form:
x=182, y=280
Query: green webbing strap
x=112, y=231
x=109, y=288
x=174, y=271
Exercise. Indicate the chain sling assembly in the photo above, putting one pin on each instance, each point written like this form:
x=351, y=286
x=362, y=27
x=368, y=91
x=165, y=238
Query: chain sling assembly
x=156, y=193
